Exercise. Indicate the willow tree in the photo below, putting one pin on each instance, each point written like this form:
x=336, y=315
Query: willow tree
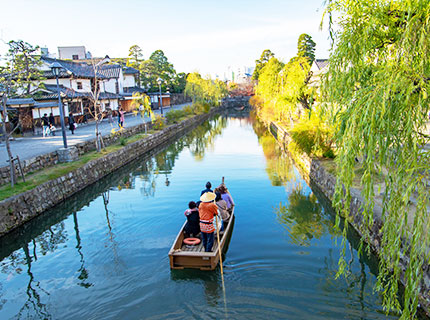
x=378, y=84
x=203, y=90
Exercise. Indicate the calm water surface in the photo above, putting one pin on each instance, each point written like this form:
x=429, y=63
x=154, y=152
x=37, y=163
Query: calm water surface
x=103, y=253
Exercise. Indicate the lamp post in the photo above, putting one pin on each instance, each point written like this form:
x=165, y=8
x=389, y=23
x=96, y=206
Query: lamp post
x=55, y=68
x=159, y=81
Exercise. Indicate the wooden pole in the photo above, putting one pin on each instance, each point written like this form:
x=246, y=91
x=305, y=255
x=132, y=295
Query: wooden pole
x=219, y=247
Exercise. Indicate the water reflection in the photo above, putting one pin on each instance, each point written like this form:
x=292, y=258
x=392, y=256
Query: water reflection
x=47, y=233
x=303, y=217
x=279, y=166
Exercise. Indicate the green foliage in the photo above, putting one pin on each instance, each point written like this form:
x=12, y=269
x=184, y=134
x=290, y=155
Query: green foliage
x=205, y=90
x=314, y=136
x=282, y=88
x=306, y=47
x=174, y=116
x=135, y=56
x=266, y=55
x=377, y=87
x=158, y=123
x=142, y=105
x=122, y=141
x=22, y=68
x=158, y=66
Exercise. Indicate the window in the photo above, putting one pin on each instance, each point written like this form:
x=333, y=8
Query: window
x=79, y=85
x=75, y=57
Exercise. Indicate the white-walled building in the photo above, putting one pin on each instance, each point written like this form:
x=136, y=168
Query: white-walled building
x=72, y=53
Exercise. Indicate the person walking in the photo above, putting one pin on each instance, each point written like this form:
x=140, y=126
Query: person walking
x=45, y=125
x=52, y=124
x=71, y=123
x=207, y=211
x=120, y=118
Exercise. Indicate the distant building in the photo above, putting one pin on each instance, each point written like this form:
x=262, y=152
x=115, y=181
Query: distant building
x=238, y=74
x=72, y=53
x=318, y=68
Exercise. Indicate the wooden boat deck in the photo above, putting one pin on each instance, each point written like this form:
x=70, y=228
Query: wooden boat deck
x=184, y=256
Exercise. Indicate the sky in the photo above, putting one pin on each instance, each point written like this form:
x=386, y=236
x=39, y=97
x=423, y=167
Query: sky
x=206, y=36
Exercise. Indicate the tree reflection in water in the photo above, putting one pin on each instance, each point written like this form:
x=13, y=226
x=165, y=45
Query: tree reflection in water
x=302, y=216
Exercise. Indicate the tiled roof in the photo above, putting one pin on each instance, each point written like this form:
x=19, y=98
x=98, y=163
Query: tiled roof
x=109, y=71
x=64, y=92
x=46, y=104
x=20, y=101
x=321, y=63
x=130, y=70
x=109, y=95
x=128, y=91
x=82, y=70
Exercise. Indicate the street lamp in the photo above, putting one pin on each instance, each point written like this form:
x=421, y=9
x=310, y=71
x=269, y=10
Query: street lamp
x=55, y=68
x=159, y=81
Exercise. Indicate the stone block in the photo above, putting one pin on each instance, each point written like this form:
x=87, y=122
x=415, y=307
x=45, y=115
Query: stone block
x=68, y=154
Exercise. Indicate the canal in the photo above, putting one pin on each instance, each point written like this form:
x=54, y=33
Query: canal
x=103, y=253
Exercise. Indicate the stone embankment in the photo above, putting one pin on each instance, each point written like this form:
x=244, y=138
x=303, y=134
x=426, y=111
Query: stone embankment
x=18, y=209
x=315, y=174
x=49, y=159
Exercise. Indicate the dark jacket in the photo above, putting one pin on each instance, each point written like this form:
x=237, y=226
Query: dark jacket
x=45, y=121
x=204, y=191
x=193, y=223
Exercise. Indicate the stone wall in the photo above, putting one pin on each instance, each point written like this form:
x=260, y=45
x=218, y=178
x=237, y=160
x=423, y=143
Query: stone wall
x=315, y=174
x=18, y=209
x=49, y=159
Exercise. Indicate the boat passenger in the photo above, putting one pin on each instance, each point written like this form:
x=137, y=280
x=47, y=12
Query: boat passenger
x=208, y=188
x=207, y=212
x=226, y=197
x=192, y=227
x=222, y=209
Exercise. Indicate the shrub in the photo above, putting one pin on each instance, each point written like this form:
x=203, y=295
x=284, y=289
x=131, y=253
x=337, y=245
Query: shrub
x=313, y=136
x=201, y=107
x=188, y=110
x=175, y=116
x=158, y=122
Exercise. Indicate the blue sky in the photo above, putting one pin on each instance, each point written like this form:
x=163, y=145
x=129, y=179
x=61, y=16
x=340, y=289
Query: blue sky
x=205, y=36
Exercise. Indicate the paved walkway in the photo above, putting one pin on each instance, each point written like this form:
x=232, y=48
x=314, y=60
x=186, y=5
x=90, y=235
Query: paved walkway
x=30, y=147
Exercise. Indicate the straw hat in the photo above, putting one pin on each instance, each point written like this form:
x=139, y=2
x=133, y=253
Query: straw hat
x=208, y=197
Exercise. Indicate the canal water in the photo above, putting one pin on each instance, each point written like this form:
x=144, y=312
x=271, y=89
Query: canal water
x=103, y=253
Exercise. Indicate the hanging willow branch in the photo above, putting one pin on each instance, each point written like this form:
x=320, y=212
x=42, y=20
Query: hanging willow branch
x=379, y=60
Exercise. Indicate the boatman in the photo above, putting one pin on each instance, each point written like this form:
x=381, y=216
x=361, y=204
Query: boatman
x=207, y=212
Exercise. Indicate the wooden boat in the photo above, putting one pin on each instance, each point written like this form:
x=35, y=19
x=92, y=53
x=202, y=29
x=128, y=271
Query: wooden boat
x=183, y=256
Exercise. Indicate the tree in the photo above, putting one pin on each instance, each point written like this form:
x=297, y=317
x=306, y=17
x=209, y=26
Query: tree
x=266, y=55
x=135, y=58
x=306, y=47
x=205, y=90
x=157, y=66
x=142, y=105
x=26, y=66
x=16, y=77
x=377, y=87
x=97, y=111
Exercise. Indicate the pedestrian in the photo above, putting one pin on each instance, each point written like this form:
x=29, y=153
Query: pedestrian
x=52, y=124
x=45, y=125
x=72, y=123
x=120, y=118
x=207, y=211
